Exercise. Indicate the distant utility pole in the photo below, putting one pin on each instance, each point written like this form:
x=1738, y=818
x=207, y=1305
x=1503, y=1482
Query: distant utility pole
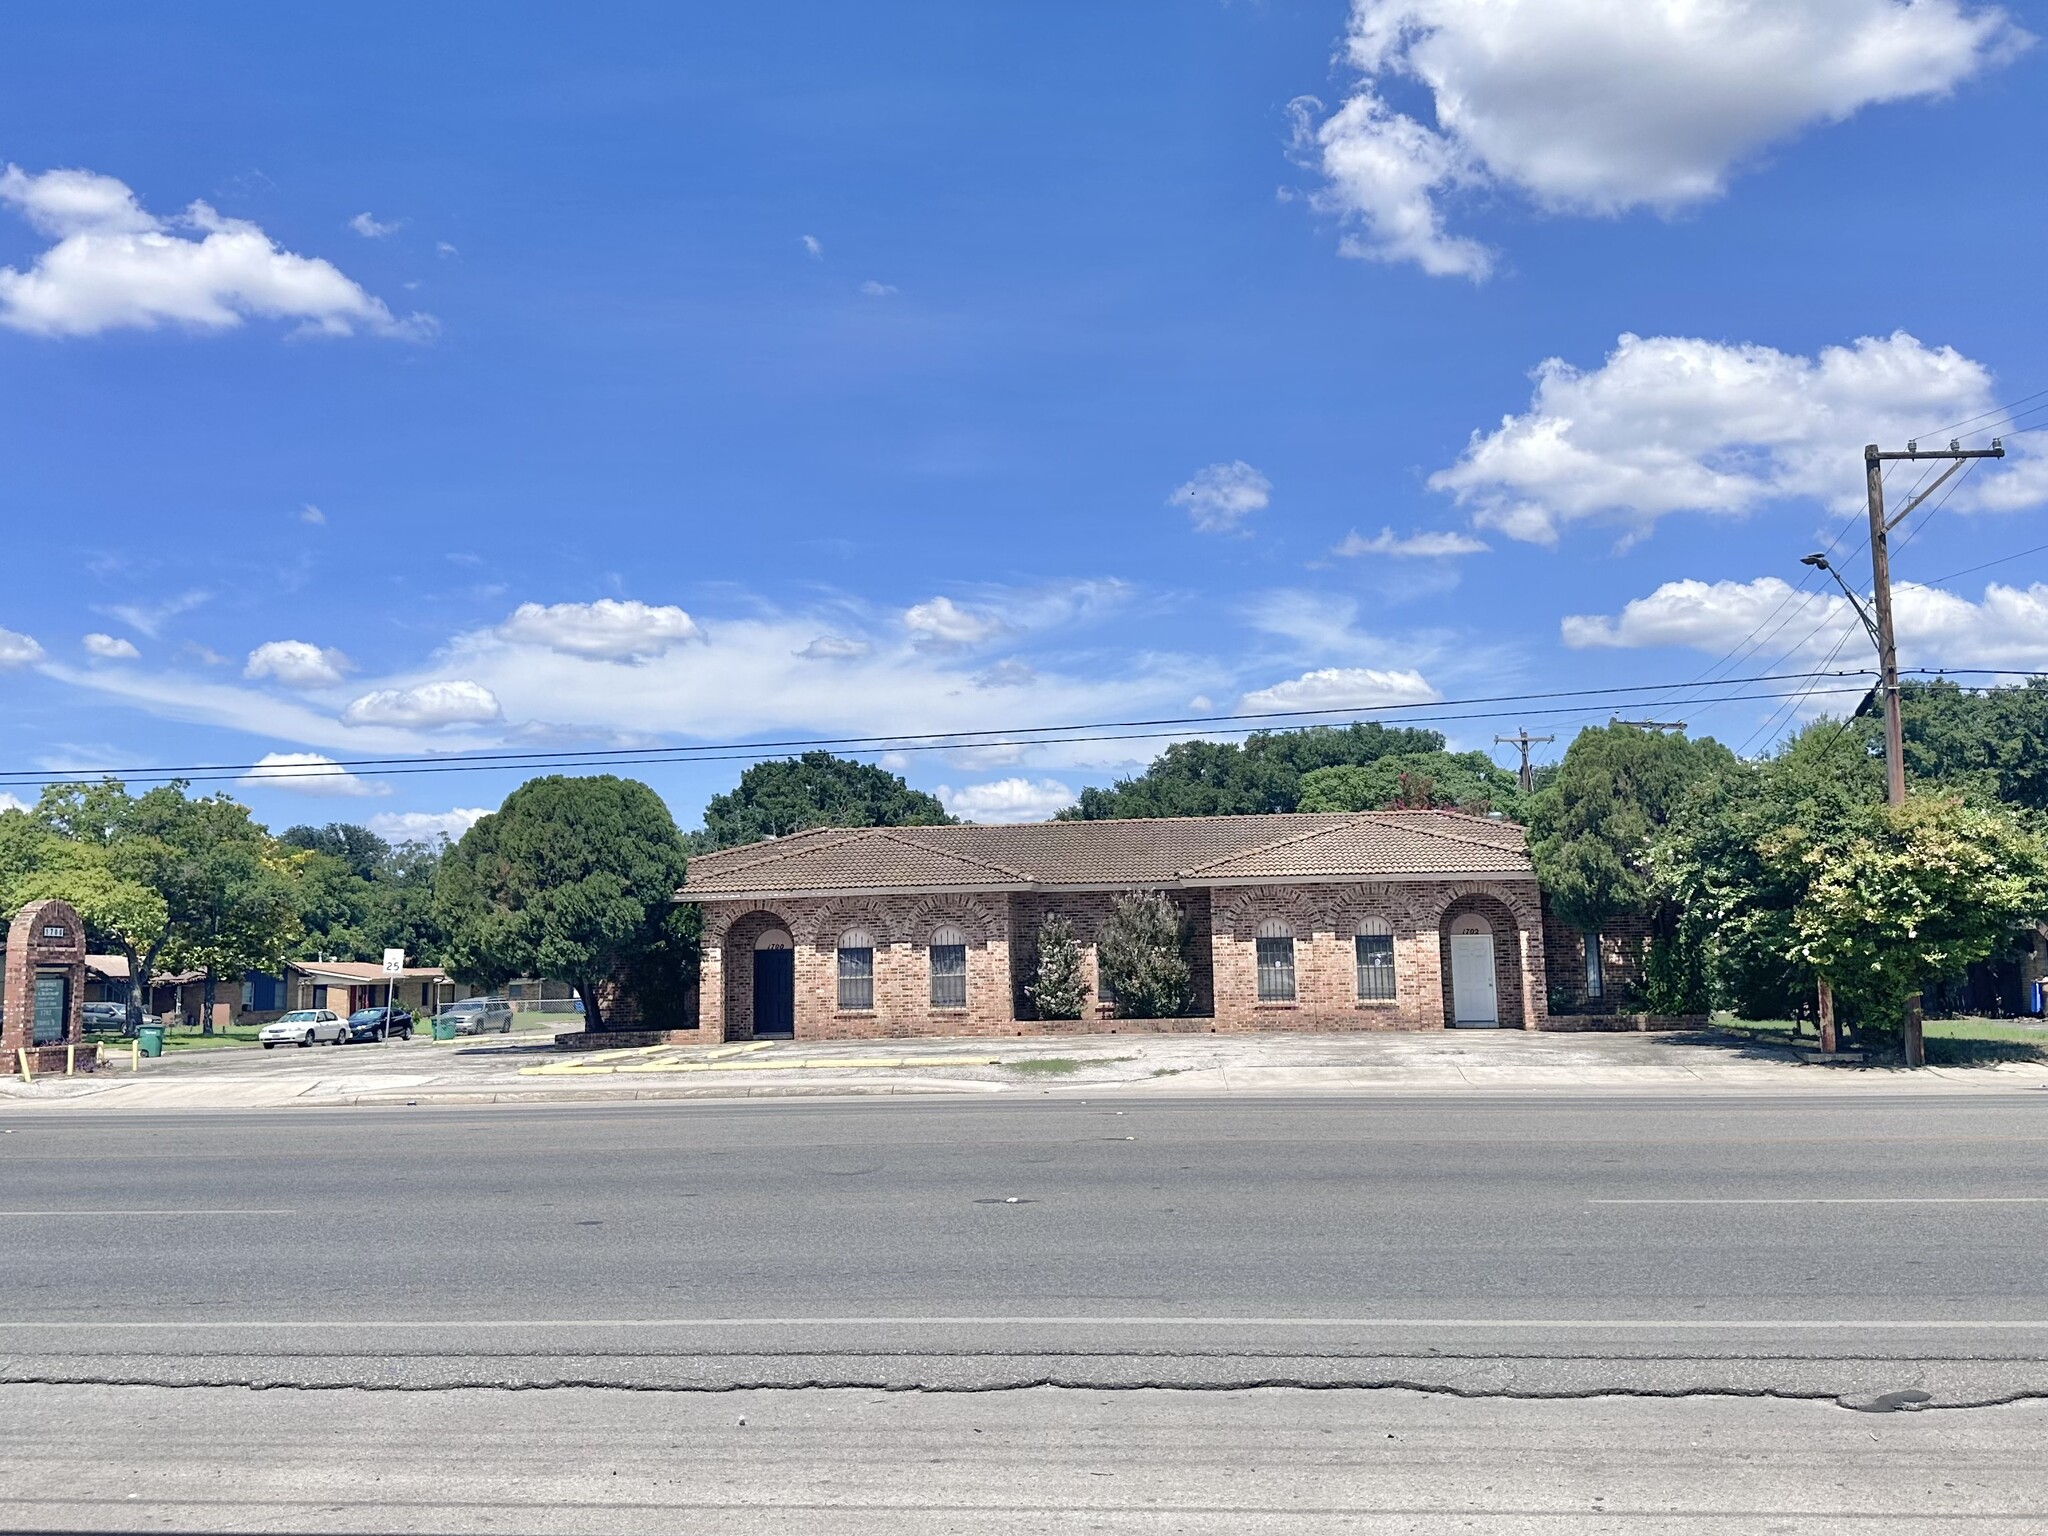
x=1525, y=741
x=1874, y=460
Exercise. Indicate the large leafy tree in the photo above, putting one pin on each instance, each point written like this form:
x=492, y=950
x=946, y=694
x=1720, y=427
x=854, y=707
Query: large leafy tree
x=172, y=880
x=571, y=879
x=1264, y=773
x=361, y=895
x=1592, y=825
x=1990, y=744
x=1908, y=894
x=815, y=790
x=1415, y=781
x=1722, y=863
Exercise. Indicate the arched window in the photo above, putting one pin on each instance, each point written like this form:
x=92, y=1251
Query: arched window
x=1596, y=976
x=1275, y=945
x=856, y=970
x=949, y=967
x=1375, y=960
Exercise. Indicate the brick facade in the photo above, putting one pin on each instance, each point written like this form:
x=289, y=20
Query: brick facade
x=1622, y=942
x=1323, y=918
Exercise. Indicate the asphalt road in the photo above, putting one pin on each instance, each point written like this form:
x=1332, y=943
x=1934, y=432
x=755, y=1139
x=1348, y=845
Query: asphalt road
x=1799, y=1247
x=1532, y=1315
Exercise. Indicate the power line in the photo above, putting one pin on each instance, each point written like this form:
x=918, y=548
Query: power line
x=873, y=747
x=1044, y=735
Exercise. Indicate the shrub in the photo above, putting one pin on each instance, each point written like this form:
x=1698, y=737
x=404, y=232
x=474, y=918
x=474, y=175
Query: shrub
x=1143, y=955
x=1061, y=991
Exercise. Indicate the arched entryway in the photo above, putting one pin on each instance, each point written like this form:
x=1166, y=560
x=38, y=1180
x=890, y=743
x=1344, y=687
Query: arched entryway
x=774, y=985
x=1481, y=955
x=1475, y=986
x=758, y=977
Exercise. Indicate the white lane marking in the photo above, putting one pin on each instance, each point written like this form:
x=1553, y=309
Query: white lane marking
x=418, y=1325
x=148, y=1213
x=1851, y=1200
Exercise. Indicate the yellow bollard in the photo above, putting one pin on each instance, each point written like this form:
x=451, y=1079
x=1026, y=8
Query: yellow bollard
x=70, y=1060
x=21, y=1061
x=135, y=1056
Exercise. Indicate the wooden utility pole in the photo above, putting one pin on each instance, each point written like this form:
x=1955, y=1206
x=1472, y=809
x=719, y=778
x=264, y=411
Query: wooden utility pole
x=1524, y=740
x=1874, y=460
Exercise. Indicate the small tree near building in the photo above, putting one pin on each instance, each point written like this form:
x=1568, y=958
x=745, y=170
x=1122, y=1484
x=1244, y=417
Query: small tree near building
x=1143, y=954
x=1061, y=990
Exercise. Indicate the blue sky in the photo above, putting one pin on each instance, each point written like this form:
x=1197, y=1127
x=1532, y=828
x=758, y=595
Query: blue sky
x=399, y=380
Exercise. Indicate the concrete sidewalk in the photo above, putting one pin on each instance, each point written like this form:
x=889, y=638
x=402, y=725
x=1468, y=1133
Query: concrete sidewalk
x=517, y=1071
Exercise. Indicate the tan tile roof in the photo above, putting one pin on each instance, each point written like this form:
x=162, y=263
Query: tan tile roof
x=1191, y=849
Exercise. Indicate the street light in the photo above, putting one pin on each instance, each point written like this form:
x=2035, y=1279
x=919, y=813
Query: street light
x=1820, y=563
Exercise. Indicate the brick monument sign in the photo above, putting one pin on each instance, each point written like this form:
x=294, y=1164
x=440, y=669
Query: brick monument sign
x=44, y=990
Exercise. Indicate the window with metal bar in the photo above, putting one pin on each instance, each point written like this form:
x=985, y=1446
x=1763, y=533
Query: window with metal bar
x=856, y=970
x=1596, y=977
x=1375, y=961
x=1275, y=953
x=949, y=968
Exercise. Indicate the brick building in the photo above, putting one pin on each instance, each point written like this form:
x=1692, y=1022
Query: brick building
x=1380, y=920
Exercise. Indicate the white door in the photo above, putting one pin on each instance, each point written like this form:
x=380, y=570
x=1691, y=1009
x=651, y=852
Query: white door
x=1473, y=1002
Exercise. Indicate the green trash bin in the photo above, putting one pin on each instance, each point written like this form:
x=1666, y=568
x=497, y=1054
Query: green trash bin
x=151, y=1038
x=443, y=1031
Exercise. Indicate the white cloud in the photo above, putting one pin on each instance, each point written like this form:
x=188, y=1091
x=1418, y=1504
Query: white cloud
x=2008, y=627
x=426, y=706
x=834, y=648
x=308, y=773
x=1673, y=423
x=109, y=648
x=1339, y=688
x=425, y=826
x=297, y=664
x=370, y=229
x=875, y=290
x=1008, y=800
x=116, y=265
x=1415, y=546
x=443, y=248
x=17, y=650
x=1223, y=495
x=12, y=802
x=313, y=515
x=607, y=629
x=148, y=619
x=1599, y=106
x=813, y=247
x=1011, y=672
x=943, y=624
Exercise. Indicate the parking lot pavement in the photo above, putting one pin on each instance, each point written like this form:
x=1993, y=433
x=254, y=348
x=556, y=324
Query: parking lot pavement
x=528, y=1068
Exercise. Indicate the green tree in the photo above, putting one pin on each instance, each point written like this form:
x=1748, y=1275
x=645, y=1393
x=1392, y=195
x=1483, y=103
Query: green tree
x=220, y=894
x=816, y=790
x=1143, y=955
x=1592, y=826
x=1264, y=773
x=1735, y=903
x=1989, y=745
x=1060, y=990
x=361, y=895
x=1469, y=781
x=572, y=879
x=1910, y=894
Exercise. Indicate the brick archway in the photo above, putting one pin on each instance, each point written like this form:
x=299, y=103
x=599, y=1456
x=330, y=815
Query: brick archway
x=1510, y=996
x=737, y=980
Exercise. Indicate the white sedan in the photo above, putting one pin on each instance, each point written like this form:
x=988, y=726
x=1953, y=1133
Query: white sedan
x=304, y=1028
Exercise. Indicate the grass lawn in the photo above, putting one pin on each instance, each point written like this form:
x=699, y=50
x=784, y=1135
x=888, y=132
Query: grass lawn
x=1950, y=1042
x=181, y=1038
